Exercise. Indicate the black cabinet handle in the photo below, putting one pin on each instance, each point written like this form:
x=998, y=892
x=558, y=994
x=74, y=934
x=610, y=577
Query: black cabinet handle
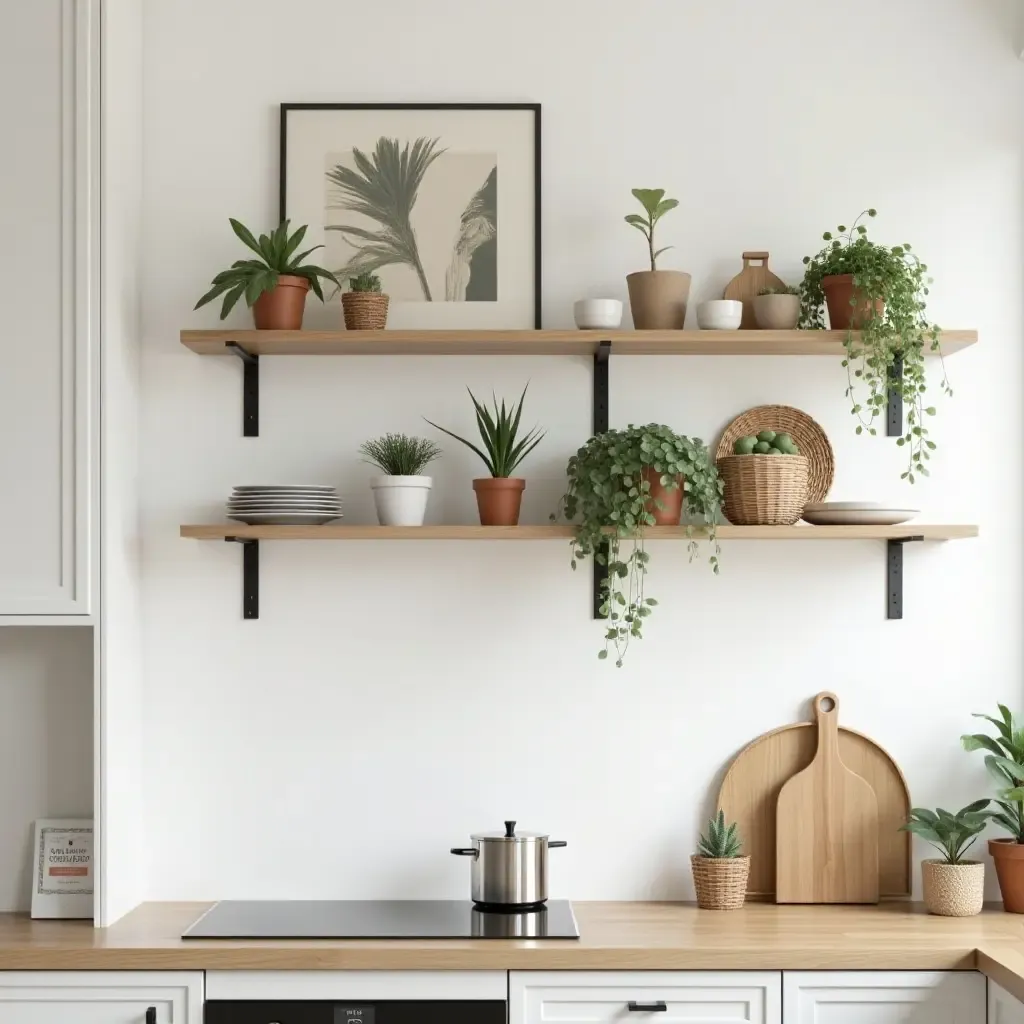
x=151, y=1015
x=555, y=844
x=465, y=851
x=659, y=1007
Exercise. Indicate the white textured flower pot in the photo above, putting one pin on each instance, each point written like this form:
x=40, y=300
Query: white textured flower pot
x=401, y=500
x=953, y=890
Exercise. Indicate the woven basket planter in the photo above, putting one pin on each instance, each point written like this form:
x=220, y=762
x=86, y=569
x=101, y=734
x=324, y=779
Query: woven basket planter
x=365, y=311
x=764, y=490
x=953, y=890
x=721, y=882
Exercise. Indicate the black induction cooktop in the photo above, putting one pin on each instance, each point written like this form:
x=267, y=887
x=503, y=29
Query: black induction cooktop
x=380, y=919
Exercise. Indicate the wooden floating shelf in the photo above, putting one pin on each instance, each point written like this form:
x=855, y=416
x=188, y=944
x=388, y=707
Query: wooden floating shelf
x=532, y=343
x=240, y=531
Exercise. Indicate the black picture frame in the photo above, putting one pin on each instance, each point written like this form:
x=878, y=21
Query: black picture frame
x=534, y=107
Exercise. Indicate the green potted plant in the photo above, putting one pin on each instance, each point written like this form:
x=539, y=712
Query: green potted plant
x=401, y=494
x=777, y=309
x=620, y=483
x=500, y=495
x=365, y=307
x=953, y=886
x=1005, y=763
x=657, y=298
x=275, y=285
x=880, y=292
x=720, y=869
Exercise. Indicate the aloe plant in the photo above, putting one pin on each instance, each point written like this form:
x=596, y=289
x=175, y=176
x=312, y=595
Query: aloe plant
x=251, y=278
x=720, y=841
x=1005, y=763
x=365, y=283
x=503, y=448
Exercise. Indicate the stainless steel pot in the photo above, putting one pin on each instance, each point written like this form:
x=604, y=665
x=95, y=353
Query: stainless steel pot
x=510, y=868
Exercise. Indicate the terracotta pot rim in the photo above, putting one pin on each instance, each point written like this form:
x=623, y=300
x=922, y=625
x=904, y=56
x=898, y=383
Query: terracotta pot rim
x=499, y=483
x=292, y=281
x=838, y=278
x=1008, y=848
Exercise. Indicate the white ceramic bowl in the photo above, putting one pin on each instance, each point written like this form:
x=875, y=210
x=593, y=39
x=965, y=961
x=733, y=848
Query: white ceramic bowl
x=597, y=314
x=720, y=315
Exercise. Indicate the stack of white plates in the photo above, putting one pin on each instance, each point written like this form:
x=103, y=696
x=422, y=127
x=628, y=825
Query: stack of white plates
x=857, y=513
x=284, y=505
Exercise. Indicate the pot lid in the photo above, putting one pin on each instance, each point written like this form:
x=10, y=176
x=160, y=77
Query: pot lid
x=510, y=833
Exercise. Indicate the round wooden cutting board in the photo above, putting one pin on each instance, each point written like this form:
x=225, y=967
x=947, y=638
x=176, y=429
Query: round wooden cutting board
x=747, y=284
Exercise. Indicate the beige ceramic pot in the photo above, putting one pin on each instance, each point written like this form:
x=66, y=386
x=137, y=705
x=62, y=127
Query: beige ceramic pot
x=777, y=312
x=953, y=890
x=657, y=299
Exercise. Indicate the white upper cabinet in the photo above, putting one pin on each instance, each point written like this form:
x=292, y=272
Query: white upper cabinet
x=48, y=287
x=883, y=997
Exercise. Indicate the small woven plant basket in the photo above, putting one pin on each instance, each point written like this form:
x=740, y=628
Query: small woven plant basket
x=721, y=882
x=365, y=311
x=764, y=490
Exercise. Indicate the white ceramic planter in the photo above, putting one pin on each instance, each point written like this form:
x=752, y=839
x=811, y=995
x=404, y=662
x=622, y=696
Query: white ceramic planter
x=401, y=500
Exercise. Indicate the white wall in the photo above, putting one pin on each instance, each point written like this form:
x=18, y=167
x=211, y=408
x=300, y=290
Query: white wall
x=45, y=742
x=393, y=698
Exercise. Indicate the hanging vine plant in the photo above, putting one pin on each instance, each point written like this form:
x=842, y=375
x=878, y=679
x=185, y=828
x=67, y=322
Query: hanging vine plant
x=877, y=294
x=609, y=498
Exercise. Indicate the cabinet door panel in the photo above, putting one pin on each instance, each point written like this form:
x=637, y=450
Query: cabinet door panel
x=1003, y=1008
x=883, y=997
x=46, y=289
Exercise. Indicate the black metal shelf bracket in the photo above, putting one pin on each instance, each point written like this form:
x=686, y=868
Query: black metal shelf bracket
x=250, y=389
x=894, y=575
x=601, y=354
x=894, y=411
x=250, y=575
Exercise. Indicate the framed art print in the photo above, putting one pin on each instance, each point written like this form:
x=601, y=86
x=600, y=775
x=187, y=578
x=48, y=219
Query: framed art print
x=440, y=201
x=62, y=884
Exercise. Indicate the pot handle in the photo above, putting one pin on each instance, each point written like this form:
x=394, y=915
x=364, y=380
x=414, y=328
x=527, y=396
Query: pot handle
x=553, y=843
x=464, y=851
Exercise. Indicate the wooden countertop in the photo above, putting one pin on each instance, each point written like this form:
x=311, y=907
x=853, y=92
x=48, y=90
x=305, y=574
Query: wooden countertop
x=622, y=936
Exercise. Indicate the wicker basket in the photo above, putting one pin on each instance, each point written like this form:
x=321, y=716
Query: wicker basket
x=764, y=490
x=721, y=882
x=365, y=311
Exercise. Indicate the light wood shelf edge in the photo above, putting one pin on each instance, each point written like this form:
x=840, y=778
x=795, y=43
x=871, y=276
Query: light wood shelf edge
x=218, y=531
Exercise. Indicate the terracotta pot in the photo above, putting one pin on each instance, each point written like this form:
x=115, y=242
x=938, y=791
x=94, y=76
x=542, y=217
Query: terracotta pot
x=282, y=307
x=953, y=890
x=776, y=312
x=498, y=499
x=657, y=299
x=1009, y=859
x=845, y=310
x=671, y=499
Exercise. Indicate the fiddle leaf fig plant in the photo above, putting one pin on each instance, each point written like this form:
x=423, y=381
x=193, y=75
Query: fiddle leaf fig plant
x=1005, y=763
x=890, y=291
x=951, y=834
x=655, y=206
x=608, y=497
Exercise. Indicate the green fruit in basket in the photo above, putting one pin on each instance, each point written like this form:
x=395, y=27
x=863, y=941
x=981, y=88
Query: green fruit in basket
x=761, y=448
x=766, y=435
x=783, y=442
x=775, y=451
x=744, y=445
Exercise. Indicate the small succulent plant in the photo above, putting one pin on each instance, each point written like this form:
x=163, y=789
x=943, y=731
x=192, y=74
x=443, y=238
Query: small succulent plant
x=786, y=289
x=720, y=841
x=364, y=283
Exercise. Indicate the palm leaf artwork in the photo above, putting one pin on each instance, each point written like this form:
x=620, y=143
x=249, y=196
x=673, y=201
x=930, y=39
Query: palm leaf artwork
x=472, y=275
x=383, y=187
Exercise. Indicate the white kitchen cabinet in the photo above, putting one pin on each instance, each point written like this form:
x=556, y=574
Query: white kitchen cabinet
x=883, y=997
x=636, y=997
x=101, y=997
x=49, y=99
x=1003, y=1008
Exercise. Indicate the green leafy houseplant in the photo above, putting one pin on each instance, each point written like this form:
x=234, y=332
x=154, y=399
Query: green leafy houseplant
x=720, y=841
x=951, y=834
x=898, y=334
x=251, y=278
x=399, y=454
x=655, y=206
x=1005, y=763
x=609, y=498
x=503, y=448
x=364, y=283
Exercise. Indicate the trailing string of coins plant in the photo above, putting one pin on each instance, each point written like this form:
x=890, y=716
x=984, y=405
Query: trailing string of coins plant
x=900, y=332
x=610, y=501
